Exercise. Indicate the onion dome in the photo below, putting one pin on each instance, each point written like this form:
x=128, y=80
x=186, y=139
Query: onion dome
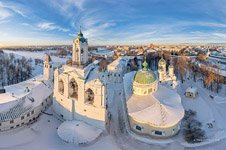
x=144, y=76
x=81, y=37
x=145, y=81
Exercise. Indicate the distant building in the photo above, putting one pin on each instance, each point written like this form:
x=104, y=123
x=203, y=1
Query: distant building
x=191, y=92
x=166, y=77
x=102, y=52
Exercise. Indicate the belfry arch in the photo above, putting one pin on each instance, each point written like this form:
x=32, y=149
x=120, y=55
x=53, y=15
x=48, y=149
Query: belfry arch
x=61, y=86
x=89, y=96
x=73, y=89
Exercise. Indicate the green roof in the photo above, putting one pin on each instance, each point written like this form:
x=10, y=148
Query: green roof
x=144, y=77
x=81, y=37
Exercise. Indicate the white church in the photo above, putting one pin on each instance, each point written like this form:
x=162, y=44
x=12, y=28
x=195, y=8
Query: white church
x=165, y=77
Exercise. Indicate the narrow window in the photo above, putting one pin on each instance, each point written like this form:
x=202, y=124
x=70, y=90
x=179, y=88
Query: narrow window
x=158, y=132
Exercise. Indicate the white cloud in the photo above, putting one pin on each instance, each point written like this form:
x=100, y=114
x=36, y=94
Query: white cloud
x=220, y=35
x=78, y=3
x=50, y=26
x=67, y=8
x=13, y=7
x=4, y=13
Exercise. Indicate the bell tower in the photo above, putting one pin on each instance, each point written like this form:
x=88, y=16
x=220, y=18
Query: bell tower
x=48, y=68
x=162, y=68
x=80, y=49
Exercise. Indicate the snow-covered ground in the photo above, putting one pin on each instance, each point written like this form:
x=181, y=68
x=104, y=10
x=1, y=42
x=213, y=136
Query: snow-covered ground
x=43, y=135
x=36, y=55
x=209, y=111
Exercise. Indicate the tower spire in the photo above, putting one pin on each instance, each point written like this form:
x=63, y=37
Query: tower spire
x=80, y=34
x=161, y=53
x=145, y=64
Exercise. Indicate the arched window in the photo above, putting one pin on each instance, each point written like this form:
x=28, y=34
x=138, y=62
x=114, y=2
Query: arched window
x=73, y=89
x=61, y=86
x=89, y=98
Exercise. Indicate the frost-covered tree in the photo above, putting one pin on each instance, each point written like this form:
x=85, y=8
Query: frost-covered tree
x=14, y=70
x=192, y=128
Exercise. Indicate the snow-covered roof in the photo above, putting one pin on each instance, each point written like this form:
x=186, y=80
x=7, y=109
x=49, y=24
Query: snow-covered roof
x=79, y=70
x=192, y=90
x=105, y=52
x=162, y=108
x=22, y=98
x=94, y=74
x=78, y=132
x=119, y=63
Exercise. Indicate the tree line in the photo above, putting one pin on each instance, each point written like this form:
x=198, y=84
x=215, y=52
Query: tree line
x=184, y=68
x=14, y=70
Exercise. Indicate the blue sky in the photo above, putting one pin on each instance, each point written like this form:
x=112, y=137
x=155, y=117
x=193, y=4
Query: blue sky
x=44, y=22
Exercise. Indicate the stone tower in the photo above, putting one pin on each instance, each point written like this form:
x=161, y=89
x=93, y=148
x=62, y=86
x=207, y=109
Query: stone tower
x=80, y=50
x=48, y=68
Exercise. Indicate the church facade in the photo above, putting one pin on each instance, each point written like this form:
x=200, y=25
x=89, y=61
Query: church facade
x=79, y=93
x=167, y=77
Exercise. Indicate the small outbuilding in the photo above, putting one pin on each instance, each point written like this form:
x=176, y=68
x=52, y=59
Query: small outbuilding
x=191, y=92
